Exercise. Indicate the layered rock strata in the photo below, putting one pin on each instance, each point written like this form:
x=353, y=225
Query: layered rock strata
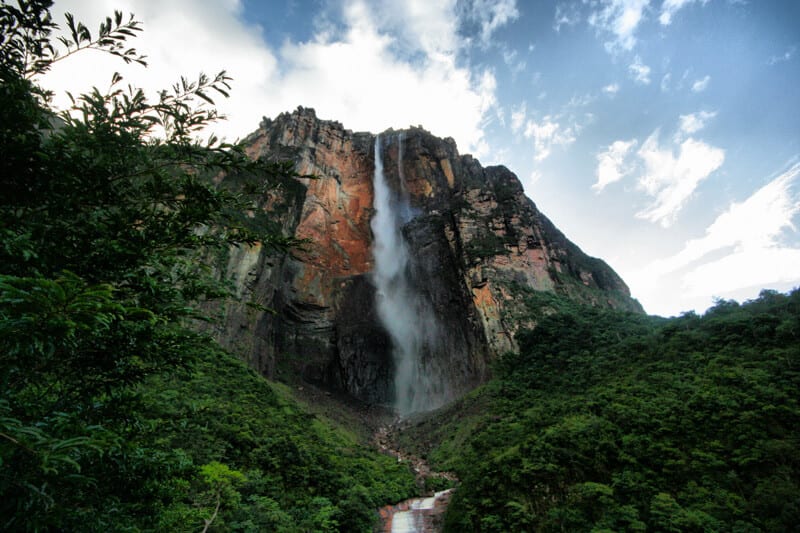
x=474, y=239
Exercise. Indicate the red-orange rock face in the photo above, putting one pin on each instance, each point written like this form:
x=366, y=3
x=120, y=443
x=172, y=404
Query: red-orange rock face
x=335, y=215
x=473, y=235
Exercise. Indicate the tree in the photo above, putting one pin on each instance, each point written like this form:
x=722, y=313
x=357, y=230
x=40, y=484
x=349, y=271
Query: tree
x=105, y=212
x=222, y=483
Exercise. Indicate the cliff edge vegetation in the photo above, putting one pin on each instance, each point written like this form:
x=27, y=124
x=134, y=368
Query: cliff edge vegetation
x=115, y=413
x=611, y=421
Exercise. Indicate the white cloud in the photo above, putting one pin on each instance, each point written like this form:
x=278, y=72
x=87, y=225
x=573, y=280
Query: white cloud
x=546, y=134
x=742, y=251
x=416, y=24
x=518, y=118
x=786, y=56
x=665, y=82
x=611, y=166
x=486, y=89
x=578, y=101
x=620, y=18
x=384, y=90
x=354, y=73
x=566, y=15
x=671, y=179
x=489, y=15
x=512, y=61
x=701, y=85
x=755, y=224
x=611, y=89
x=693, y=122
x=180, y=38
x=668, y=173
x=639, y=71
x=670, y=7
x=744, y=269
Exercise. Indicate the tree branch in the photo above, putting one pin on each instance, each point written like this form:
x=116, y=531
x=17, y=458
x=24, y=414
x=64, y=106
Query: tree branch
x=209, y=521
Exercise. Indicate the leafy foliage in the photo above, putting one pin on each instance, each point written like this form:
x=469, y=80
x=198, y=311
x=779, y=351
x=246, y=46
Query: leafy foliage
x=298, y=472
x=607, y=421
x=115, y=414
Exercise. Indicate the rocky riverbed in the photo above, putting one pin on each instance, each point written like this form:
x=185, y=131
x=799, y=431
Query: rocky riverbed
x=417, y=515
x=424, y=514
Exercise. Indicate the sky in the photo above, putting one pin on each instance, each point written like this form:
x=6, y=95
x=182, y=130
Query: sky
x=662, y=136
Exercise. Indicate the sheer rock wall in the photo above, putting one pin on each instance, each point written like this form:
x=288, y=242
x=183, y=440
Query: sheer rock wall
x=474, y=237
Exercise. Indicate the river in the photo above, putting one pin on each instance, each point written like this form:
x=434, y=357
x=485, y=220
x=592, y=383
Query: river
x=417, y=515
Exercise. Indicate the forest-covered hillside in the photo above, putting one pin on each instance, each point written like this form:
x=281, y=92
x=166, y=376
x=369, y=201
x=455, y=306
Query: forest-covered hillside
x=115, y=413
x=610, y=421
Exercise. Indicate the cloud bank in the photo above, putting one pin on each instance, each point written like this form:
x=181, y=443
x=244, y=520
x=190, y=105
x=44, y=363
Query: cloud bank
x=701, y=85
x=668, y=173
x=744, y=247
x=670, y=7
x=546, y=134
x=390, y=64
x=639, y=71
x=611, y=166
x=671, y=175
x=620, y=19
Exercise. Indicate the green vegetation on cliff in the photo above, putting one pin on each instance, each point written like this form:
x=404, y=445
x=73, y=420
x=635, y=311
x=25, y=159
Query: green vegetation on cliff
x=610, y=421
x=115, y=413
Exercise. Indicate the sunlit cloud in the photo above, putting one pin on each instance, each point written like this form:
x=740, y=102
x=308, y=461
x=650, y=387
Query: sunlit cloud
x=786, y=56
x=639, y=71
x=413, y=24
x=693, y=122
x=611, y=165
x=546, y=134
x=579, y=101
x=567, y=14
x=754, y=224
x=620, y=18
x=672, y=175
x=669, y=173
x=180, y=38
x=354, y=72
x=489, y=15
x=744, y=269
x=385, y=90
x=744, y=248
x=518, y=115
x=670, y=7
x=665, y=81
x=701, y=85
x=513, y=62
x=611, y=89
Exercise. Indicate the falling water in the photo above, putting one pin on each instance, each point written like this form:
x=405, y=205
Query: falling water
x=405, y=314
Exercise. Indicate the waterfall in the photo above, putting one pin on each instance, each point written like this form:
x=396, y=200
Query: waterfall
x=406, y=315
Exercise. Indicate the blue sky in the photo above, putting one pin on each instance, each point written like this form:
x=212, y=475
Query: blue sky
x=660, y=135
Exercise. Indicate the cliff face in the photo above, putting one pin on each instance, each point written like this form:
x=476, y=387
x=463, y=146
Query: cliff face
x=472, y=237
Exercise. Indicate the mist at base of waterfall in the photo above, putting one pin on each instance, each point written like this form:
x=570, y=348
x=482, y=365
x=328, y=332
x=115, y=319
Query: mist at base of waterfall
x=403, y=311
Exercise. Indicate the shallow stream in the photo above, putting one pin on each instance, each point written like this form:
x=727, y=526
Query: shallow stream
x=417, y=515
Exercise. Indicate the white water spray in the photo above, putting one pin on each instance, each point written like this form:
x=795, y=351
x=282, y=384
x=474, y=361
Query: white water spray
x=406, y=316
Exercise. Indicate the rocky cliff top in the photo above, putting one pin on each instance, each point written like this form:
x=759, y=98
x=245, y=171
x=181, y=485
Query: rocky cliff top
x=476, y=243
